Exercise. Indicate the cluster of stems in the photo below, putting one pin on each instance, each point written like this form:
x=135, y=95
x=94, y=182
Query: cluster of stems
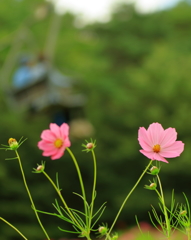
x=83, y=222
x=175, y=217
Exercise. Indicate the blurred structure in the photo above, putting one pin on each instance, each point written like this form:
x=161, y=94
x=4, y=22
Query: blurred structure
x=37, y=87
x=41, y=89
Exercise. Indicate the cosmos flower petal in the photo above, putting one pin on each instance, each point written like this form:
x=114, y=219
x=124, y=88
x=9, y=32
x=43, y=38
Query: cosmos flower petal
x=168, y=138
x=173, y=151
x=49, y=153
x=64, y=128
x=48, y=148
x=153, y=156
x=58, y=154
x=155, y=131
x=48, y=135
x=143, y=139
x=147, y=154
x=54, y=128
x=44, y=145
x=67, y=142
x=158, y=157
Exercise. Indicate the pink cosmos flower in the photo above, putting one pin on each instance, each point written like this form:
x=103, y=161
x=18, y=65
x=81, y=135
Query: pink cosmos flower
x=54, y=141
x=158, y=143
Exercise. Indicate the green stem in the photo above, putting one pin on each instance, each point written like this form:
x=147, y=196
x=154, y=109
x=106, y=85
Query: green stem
x=93, y=189
x=62, y=199
x=164, y=207
x=81, y=183
x=127, y=197
x=188, y=231
x=13, y=228
x=30, y=197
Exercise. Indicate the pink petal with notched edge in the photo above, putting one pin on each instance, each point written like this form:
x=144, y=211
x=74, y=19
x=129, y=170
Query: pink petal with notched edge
x=48, y=135
x=154, y=132
x=147, y=154
x=153, y=156
x=55, y=129
x=49, y=153
x=64, y=129
x=169, y=137
x=44, y=145
x=58, y=154
x=158, y=157
x=143, y=139
x=48, y=150
x=67, y=142
x=173, y=151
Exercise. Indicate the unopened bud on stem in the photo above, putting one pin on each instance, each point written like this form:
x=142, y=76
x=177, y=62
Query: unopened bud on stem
x=40, y=168
x=13, y=143
x=90, y=145
x=183, y=213
x=152, y=186
x=114, y=237
x=103, y=230
x=154, y=170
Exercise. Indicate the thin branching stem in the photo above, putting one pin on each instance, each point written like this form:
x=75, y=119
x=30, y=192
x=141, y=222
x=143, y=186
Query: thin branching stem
x=8, y=223
x=82, y=188
x=164, y=208
x=127, y=197
x=29, y=194
x=93, y=189
x=62, y=199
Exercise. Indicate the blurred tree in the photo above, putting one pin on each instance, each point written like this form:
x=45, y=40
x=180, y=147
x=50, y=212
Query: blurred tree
x=135, y=70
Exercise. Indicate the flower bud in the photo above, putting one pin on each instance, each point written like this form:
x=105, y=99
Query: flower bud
x=183, y=213
x=40, y=168
x=90, y=145
x=103, y=230
x=13, y=143
x=152, y=186
x=114, y=237
x=154, y=170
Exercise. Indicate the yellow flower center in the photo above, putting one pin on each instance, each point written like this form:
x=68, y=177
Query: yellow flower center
x=58, y=143
x=156, y=148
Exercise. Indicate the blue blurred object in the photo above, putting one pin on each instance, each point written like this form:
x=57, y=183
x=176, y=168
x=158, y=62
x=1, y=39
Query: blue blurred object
x=22, y=77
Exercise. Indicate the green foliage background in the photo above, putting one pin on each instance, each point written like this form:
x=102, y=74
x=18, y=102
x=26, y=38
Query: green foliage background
x=135, y=70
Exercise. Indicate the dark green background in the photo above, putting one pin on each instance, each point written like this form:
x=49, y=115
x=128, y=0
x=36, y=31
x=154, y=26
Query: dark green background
x=134, y=70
